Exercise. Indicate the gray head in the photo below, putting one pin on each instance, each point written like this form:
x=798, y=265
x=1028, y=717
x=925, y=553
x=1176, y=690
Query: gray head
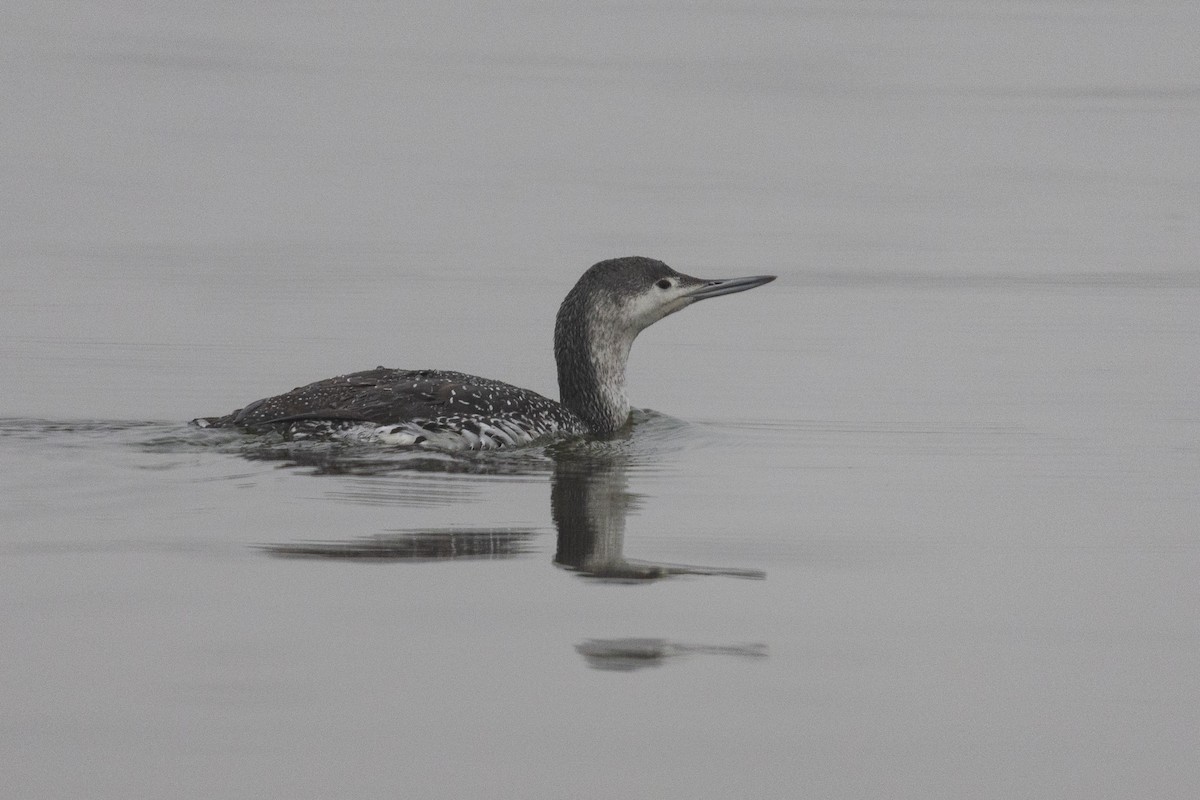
x=609, y=306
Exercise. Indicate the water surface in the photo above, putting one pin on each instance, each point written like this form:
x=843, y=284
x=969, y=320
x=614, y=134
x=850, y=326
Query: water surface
x=916, y=520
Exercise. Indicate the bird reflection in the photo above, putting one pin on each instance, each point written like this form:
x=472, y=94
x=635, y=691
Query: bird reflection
x=589, y=503
x=626, y=655
x=427, y=545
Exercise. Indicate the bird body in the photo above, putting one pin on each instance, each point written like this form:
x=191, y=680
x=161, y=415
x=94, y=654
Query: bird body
x=434, y=408
x=596, y=325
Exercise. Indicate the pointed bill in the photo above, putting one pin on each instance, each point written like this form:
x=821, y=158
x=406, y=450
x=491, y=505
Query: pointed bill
x=717, y=287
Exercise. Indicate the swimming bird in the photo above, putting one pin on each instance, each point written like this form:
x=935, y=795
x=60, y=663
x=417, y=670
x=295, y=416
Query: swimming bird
x=609, y=306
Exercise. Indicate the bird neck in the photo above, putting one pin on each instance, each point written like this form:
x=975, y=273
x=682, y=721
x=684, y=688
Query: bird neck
x=592, y=349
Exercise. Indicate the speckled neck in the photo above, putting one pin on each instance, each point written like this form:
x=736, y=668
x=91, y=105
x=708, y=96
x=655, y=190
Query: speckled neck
x=591, y=347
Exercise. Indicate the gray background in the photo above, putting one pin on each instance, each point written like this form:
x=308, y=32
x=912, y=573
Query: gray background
x=959, y=434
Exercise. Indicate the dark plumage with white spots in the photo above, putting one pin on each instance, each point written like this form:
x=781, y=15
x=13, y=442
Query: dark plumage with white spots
x=596, y=325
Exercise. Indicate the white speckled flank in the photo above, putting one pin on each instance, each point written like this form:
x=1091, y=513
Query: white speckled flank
x=596, y=325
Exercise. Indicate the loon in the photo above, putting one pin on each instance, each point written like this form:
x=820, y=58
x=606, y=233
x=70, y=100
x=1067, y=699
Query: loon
x=609, y=306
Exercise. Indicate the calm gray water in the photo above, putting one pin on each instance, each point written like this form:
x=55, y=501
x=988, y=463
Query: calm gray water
x=917, y=520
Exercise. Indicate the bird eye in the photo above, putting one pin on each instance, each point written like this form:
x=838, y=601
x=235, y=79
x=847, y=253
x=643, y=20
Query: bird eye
x=664, y=284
